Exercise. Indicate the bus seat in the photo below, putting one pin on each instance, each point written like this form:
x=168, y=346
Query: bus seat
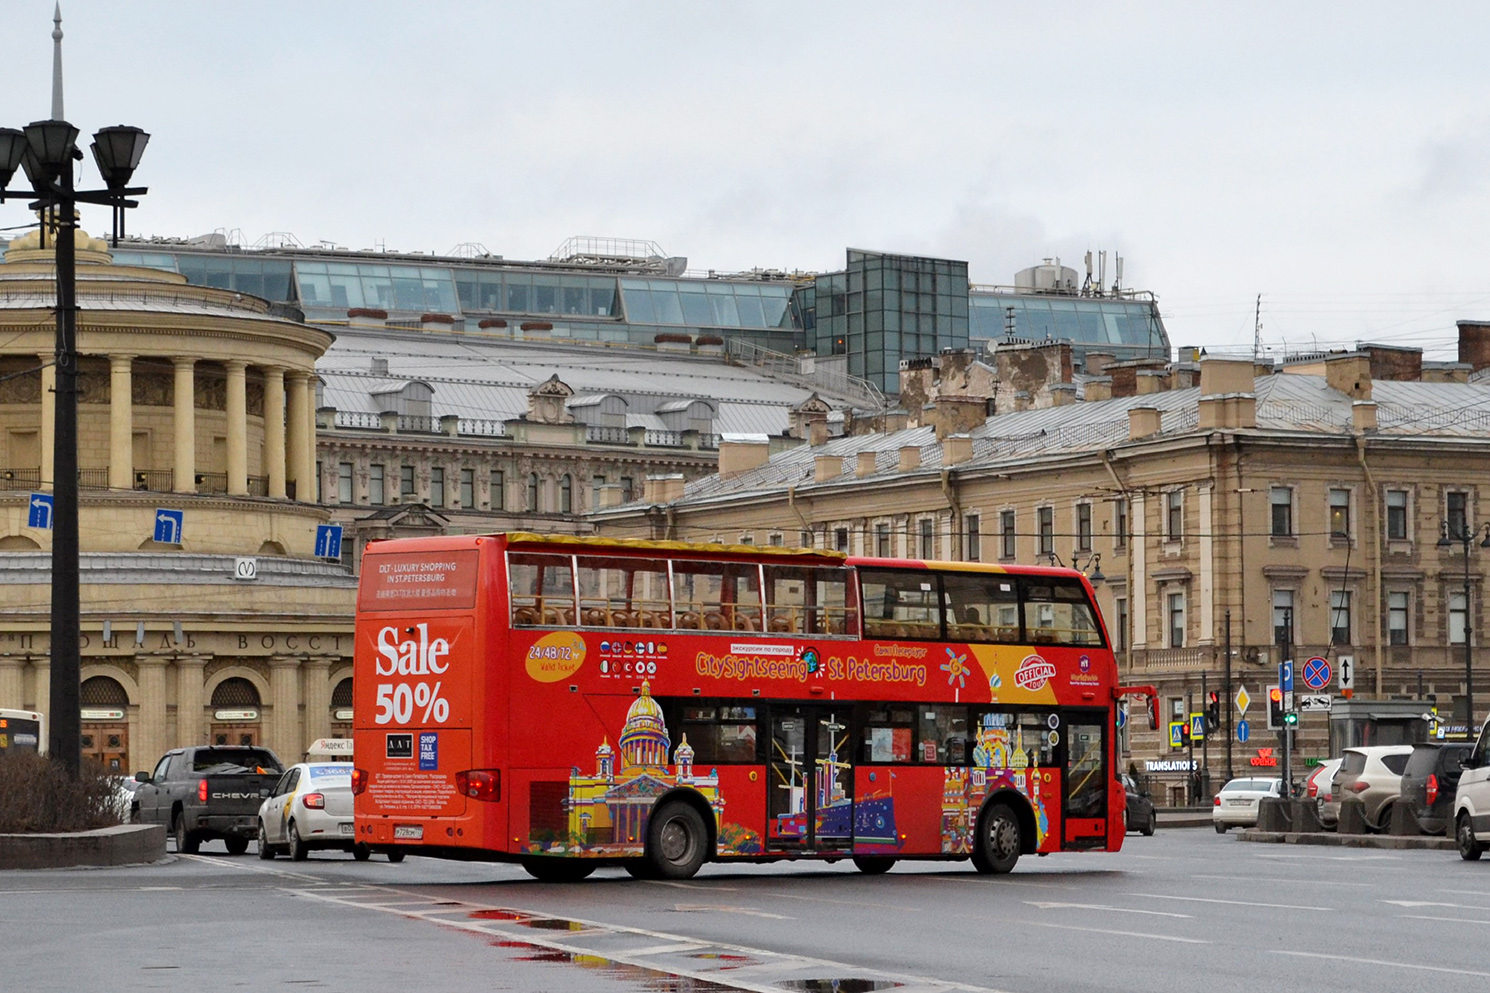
x=783, y=623
x=623, y=618
x=525, y=615
x=595, y=617
x=746, y=622
x=689, y=621
x=714, y=621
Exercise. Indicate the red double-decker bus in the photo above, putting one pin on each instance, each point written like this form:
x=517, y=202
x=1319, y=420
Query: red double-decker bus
x=575, y=702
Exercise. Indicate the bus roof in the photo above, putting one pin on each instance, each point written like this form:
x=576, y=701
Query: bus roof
x=578, y=543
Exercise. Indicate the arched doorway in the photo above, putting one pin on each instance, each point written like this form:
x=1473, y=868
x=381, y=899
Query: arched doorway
x=341, y=709
x=105, y=722
x=236, y=713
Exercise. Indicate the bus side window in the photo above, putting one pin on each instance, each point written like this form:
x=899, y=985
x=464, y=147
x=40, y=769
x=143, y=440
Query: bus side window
x=1057, y=612
x=541, y=589
x=901, y=604
x=886, y=733
x=717, y=596
x=719, y=734
x=623, y=592
x=941, y=734
x=981, y=608
x=807, y=600
x=1013, y=739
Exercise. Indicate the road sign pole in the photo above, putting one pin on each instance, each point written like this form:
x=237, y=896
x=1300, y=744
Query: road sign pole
x=1205, y=743
x=1190, y=741
x=1230, y=775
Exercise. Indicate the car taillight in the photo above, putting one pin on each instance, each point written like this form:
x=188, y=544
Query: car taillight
x=1217, y=801
x=315, y=801
x=201, y=791
x=1359, y=786
x=480, y=784
x=1432, y=788
x=1313, y=787
x=359, y=781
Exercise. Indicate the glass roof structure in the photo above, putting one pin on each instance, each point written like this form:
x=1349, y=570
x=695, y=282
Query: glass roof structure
x=1128, y=327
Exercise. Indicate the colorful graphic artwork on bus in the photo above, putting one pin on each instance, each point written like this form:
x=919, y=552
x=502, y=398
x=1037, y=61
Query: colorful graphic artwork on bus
x=1008, y=753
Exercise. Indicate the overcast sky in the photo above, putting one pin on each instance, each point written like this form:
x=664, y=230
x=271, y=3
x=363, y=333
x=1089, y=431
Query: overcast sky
x=1330, y=157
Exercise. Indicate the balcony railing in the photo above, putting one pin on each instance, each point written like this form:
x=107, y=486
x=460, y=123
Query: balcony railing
x=212, y=482
x=93, y=479
x=20, y=479
x=155, y=480
x=258, y=486
x=601, y=435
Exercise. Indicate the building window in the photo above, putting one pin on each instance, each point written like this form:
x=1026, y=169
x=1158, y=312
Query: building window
x=1176, y=620
x=1083, y=527
x=1120, y=524
x=1340, y=617
x=1007, y=535
x=595, y=485
x=1045, y=518
x=468, y=487
x=437, y=487
x=1174, y=515
x=1457, y=616
x=344, y=482
x=882, y=540
x=775, y=539
x=973, y=550
x=747, y=539
x=1339, y=513
x=804, y=539
x=1396, y=618
x=1283, y=619
x=532, y=492
x=498, y=489
x=628, y=489
x=1397, y=515
x=928, y=538
x=840, y=539
x=566, y=494
x=1281, y=499
x=375, y=493
x=1456, y=505
x=1120, y=636
x=406, y=483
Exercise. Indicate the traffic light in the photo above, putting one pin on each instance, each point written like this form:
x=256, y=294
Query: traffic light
x=1291, y=720
x=1275, y=708
x=1213, y=711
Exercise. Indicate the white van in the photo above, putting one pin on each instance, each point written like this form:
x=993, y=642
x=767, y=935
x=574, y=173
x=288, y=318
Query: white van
x=1472, y=804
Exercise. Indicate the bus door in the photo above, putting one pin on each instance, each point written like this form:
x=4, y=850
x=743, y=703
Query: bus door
x=1084, y=800
x=810, y=805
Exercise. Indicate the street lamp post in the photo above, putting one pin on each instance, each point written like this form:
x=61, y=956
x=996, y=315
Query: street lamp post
x=46, y=151
x=1464, y=534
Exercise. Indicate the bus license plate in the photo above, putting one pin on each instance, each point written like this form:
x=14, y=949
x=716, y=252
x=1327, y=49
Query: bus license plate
x=408, y=832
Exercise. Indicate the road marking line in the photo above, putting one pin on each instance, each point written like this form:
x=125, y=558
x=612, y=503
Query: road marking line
x=1397, y=965
x=250, y=867
x=157, y=889
x=1414, y=904
x=1333, y=858
x=1234, y=903
x=845, y=903
x=1123, y=934
x=1099, y=906
x=725, y=909
x=1282, y=879
x=693, y=886
x=1455, y=920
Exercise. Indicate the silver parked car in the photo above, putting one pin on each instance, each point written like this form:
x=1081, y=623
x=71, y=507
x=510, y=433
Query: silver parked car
x=1236, y=805
x=1320, y=788
x=1374, y=774
x=310, y=808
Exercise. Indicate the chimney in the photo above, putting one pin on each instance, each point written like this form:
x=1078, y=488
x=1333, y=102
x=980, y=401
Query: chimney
x=1227, y=399
x=1363, y=416
x=388, y=421
x=826, y=467
x=910, y=457
x=1062, y=394
x=1474, y=344
x=450, y=425
x=610, y=495
x=1148, y=381
x=957, y=413
x=1221, y=376
x=740, y=456
x=1021, y=401
x=663, y=489
x=1394, y=363
x=1446, y=372
x=1099, y=388
x=956, y=448
x=1350, y=373
x=1144, y=421
x=865, y=466
x=1095, y=363
x=817, y=433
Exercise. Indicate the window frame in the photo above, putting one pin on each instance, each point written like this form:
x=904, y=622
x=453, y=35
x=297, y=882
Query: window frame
x=1405, y=512
x=1175, y=606
x=1174, y=516
x=1405, y=613
x=1285, y=505
x=1336, y=511
x=1084, y=526
x=1045, y=530
x=1008, y=534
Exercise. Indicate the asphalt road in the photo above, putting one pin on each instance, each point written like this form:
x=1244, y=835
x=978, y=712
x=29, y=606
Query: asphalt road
x=1186, y=910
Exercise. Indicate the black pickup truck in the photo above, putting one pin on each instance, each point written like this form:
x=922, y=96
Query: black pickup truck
x=207, y=792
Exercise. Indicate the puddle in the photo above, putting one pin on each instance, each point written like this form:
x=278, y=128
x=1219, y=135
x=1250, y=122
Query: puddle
x=728, y=961
x=839, y=985
x=540, y=923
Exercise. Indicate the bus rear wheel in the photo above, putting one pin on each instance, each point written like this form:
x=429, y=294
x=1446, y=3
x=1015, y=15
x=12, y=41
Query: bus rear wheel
x=675, y=841
x=558, y=870
x=996, y=846
x=873, y=865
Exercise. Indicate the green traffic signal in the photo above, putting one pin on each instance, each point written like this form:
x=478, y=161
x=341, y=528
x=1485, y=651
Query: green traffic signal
x=1291, y=719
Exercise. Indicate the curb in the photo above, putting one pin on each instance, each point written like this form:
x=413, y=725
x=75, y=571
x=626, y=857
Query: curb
x=1384, y=841
x=126, y=844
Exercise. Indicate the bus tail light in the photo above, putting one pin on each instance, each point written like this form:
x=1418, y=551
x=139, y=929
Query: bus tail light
x=201, y=791
x=1432, y=788
x=359, y=781
x=314, y=801
x=480, y=784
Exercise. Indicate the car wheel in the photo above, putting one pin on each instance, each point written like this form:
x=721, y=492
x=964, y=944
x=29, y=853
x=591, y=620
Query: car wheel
x=676, y=840
x=266, y=850
x=187, y=842
x=1221, y=828
x=236, y=846
x=558, y=870
x=996, y=847
x=1470, y=849
x=361, y=852
x=298, y=851
x=1150, y=825
x=873, y=865
x=395, y=857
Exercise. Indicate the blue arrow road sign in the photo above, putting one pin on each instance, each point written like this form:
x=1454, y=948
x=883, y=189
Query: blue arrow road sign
x=1285, y=676
x=168, y=526
x=40, y=513
x=1243, y=731
x=1317, y=673
x=328, y=541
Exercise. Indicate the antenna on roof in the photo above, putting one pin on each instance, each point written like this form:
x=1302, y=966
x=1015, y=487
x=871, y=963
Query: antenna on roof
x=57, y=114
x=1257, y=330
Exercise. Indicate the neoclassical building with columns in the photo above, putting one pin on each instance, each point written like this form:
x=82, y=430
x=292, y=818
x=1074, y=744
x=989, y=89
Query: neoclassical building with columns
x=196, y=400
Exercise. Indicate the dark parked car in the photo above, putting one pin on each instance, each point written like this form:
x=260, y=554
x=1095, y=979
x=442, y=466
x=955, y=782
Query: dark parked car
x=1140, y=814
x=1431, y=780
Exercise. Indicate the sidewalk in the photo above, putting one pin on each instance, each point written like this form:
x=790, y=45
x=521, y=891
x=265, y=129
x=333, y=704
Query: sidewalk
x=1183, y=817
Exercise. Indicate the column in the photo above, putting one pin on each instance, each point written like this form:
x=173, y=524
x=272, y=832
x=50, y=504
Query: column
x=48, y=418
x=1138, y=590
x=185, y=426
x=309, y=426
x=274, y=430
x=295, y=435
x=1207, y=568
x=153, y=737
x=12, y=682
x=284, y=731
x=237, y=427
x=317, y=698
x=121, y=423
x=190, y=698
x=43, y=666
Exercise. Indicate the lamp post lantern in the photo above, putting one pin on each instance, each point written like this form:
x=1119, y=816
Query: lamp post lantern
x=1448, y=534
x=46, y=151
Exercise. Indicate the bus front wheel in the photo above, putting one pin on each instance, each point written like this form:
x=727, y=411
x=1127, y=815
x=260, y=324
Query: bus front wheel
x=558, y=870
x=873, y=865
x=676, y=839
x=996, y=847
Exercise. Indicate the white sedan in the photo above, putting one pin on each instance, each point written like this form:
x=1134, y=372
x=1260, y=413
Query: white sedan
x=309, y=808
x=1238, y=801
